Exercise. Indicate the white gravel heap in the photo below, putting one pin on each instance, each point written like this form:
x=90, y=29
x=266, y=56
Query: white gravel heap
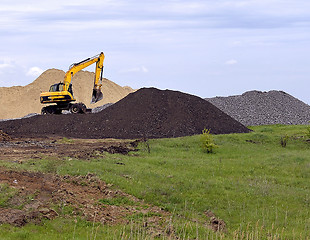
x=264, y=108
x=27, y=116
x=100, y=108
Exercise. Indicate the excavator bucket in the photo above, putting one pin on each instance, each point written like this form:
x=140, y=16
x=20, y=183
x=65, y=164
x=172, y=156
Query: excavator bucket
x=97, y=95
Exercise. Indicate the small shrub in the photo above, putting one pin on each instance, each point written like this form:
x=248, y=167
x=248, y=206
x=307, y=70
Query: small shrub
x=207, y=142
x=284, y=140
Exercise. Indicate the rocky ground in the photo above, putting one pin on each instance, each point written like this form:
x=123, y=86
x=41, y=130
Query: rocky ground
x=263, y=108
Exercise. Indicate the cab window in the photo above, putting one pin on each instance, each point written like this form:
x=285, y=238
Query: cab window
x=56, y=87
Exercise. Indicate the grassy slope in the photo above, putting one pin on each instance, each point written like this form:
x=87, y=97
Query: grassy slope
x=251, y=182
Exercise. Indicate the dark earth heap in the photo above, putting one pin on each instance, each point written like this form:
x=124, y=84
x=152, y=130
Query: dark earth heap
x=146, y=113
x=264, y=108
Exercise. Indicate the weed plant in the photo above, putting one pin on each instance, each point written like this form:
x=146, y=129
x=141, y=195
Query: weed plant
x=207, y=142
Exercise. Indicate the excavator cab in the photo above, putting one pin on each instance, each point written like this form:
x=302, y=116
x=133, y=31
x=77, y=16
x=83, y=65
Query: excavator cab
x=58, y=87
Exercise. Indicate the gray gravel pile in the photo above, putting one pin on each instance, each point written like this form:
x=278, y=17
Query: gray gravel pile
x=100, y=108
x=27, y=116
x=264, y=108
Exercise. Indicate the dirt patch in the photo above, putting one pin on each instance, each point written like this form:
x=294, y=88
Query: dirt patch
x=4, y=136
x=146, y=113
x=215, y=223
x=118, y=149
x=20, y=149
x=18, y=217
x=39, y=196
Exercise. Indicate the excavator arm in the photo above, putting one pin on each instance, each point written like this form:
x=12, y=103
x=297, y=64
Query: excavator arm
x=76, y=67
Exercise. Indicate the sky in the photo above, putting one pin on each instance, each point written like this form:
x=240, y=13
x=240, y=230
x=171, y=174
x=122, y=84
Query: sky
x=203, y=47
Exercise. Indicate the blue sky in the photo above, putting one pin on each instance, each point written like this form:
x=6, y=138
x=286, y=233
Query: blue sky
x=207, y=48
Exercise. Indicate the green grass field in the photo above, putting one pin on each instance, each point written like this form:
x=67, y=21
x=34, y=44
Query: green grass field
x=259, y=188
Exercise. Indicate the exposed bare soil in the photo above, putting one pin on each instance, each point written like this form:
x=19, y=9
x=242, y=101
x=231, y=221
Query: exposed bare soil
x=39, y=196
x=19, y=149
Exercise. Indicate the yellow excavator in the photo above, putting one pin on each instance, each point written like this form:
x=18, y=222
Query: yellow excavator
x=61, y=94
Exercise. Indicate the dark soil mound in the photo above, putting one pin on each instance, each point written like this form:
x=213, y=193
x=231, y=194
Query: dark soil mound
x=148, y=112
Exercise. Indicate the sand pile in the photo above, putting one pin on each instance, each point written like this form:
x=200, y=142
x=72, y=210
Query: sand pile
x=19, y=101
x=263, y=108
x=148, y=112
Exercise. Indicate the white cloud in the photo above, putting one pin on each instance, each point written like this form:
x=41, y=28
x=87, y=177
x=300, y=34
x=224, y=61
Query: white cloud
x=231, y=62
x=141, y=69
x=34, y=71
x=144, y=69
x=5, y=65
x=187, y=7
x=237, y=43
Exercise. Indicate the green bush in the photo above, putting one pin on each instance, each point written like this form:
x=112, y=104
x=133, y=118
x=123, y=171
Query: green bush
x=207, y=142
